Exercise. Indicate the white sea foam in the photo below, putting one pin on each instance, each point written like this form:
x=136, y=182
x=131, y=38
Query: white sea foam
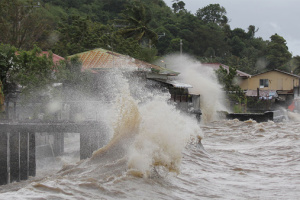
x=204, y=82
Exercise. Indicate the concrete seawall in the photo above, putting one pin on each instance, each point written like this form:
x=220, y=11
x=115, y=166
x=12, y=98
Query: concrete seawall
x=275, y=116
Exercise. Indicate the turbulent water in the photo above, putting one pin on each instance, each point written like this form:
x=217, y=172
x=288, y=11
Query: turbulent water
x=156, y=152
x=238, y=160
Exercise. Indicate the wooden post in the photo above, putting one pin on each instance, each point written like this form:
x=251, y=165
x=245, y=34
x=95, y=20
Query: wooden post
x=32, y=161
x=7, y=109
x=55, y=144
x=62, y=143
x=94, y=139
x=58, y=145
x=15, y=111
x=4, y=140
x=14, y=146
x=85, y=148
x=24, y=158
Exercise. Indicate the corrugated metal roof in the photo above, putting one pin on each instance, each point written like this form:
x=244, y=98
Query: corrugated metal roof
x=174, y=83
x=99, y=59
x=216, y=66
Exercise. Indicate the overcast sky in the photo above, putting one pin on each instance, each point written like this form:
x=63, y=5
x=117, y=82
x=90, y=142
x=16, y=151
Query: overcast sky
x=270, y=16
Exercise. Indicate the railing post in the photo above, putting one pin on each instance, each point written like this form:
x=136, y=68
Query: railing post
x=58, y=143
x=14, y=146
x=32, y=161
x=24, y=155
x=94, y=139
x=4, y=148
x=84, y=145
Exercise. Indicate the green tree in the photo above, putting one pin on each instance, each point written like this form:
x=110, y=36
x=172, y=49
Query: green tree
x=30, y=70
x=233, y=90
x=23, y=22
x=77, y=34
x=277, y=52
x=135, y=20
x=7, y=59
x=33, y=70
x=178, y=6
x=226, y=78
x=213, y=13
x=296, y=65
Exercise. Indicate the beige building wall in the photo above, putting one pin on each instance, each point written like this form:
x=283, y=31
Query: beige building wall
x=276, y=80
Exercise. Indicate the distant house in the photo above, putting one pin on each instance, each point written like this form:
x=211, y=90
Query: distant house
x=271, y=82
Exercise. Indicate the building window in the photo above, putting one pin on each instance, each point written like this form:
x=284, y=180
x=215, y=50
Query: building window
x=263, y=83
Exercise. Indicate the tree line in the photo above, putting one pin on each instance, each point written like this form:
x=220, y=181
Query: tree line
x=143, y=29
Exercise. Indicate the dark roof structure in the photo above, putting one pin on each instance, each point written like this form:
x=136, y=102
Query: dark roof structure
x=216, y=66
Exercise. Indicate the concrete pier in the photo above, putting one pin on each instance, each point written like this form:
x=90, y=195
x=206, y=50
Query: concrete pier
x=18, y=145
x=275, y=116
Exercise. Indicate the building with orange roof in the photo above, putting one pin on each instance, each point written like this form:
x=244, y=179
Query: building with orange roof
x=102, y=59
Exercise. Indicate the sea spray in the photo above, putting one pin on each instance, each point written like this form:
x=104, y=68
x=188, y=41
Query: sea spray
x=204, y=82
x=125, y=122
x=149, y=132
x=163, y=134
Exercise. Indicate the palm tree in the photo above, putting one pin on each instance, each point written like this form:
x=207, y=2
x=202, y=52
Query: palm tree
x=135, y=24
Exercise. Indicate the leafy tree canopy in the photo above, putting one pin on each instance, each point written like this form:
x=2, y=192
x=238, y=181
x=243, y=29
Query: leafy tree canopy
x=213, y=13
x=277, y=52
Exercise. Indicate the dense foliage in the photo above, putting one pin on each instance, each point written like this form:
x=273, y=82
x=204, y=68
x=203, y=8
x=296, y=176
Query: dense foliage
x=144, y=29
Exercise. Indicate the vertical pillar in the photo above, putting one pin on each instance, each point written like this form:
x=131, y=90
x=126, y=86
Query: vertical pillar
x=85, y=150
x=55, y=144
x=14, y=146
x=7, y=109
x=58, y=143
x=94, y=140
x=4, y=140
x=32, y=161
x=15, y=111
x=62, y=143
x=24, y=155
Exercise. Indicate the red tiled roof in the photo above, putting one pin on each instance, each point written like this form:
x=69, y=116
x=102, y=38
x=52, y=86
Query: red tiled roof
x=216, y=66
x=56, y=58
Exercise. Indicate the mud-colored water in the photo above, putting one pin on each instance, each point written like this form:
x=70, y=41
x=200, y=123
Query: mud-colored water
x=238, y=160
x=155, y=153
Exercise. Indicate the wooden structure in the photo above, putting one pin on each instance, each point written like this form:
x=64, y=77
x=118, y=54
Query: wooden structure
x=18, y=148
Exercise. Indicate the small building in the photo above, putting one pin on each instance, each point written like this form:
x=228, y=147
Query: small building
x=271, y=82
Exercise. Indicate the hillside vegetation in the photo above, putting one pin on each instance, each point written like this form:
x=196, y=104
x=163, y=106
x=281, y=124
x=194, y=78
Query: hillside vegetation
x=143, y=29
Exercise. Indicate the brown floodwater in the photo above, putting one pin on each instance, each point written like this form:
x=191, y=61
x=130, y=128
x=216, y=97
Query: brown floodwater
x=237, y=160
x=154, y=153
